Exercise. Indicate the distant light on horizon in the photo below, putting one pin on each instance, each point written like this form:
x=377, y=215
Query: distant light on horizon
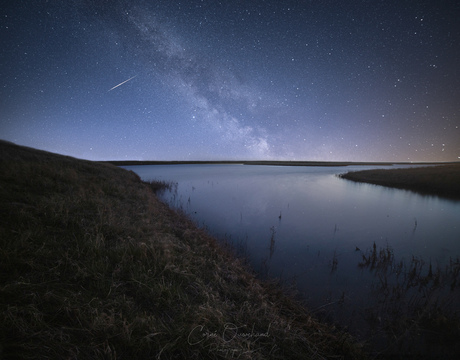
x=259, y=80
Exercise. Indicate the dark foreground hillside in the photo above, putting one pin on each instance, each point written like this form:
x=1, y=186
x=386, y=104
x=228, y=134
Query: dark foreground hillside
x=94, y=266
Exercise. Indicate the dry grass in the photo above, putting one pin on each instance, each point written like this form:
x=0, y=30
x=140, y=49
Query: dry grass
x=442, y=180
x=94, y=266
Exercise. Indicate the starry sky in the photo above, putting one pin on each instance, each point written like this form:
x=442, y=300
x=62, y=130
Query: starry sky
x=355, y=80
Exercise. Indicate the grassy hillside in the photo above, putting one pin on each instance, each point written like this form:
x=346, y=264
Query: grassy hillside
x=94, y=266
x=442, y=180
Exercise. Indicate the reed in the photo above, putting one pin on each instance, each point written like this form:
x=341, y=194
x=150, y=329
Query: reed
x=417, y=305
x=160, y=186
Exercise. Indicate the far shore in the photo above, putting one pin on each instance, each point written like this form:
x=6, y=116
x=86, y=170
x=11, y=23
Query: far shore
x=442, y=180
x=270, y=163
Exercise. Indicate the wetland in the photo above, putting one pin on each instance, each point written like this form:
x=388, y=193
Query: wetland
x=314, y=230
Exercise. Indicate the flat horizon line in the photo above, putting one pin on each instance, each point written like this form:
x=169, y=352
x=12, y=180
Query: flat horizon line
x=273, y=162
x=242, y=162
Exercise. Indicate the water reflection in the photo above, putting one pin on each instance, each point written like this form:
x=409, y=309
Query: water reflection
x=309, y=206
x=311, y=228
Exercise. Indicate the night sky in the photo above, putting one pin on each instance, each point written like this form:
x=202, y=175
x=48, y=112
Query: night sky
x=233, y=80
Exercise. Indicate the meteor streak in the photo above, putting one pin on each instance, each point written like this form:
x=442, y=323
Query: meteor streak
x=122, y=83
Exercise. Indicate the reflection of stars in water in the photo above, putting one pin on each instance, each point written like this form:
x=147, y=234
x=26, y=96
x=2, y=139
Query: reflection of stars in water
x=232, y=81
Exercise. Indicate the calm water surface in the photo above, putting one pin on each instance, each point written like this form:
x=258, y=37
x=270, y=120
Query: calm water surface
x=305, y=225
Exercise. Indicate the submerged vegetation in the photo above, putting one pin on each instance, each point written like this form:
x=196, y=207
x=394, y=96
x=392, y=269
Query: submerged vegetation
x=94, y=266
x=160, y=186
x=416, y=309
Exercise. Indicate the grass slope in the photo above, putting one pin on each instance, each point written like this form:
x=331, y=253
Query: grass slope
x=442, y=180
x=94, y=266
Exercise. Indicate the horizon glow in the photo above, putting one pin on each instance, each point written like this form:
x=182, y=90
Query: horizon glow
x=211, y=80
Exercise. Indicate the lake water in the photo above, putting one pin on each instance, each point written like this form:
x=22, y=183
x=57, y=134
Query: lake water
x=310, y=228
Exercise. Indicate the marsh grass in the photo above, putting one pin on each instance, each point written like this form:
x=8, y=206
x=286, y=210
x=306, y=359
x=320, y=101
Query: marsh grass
x=334, y=262
x=94, y=266
x=441, y=180
x=417, y=309
x=160, y=186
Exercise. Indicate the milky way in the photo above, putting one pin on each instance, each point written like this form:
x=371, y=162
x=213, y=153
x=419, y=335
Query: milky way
x=227, y=80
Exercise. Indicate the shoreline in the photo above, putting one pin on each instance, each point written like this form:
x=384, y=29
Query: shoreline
x=441, y=180
x=93, y=264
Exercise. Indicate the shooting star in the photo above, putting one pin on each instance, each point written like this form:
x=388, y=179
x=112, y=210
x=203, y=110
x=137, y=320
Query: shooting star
x=122, y=83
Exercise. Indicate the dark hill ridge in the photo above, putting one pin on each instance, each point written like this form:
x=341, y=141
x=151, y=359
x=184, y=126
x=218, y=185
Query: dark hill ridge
x=94, y=266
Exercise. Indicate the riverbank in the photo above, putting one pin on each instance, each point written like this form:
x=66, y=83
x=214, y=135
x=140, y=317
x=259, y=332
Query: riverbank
x=93, y=265
x=441, y=180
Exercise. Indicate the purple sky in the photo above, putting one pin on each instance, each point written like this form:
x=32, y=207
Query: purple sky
x=229, y=80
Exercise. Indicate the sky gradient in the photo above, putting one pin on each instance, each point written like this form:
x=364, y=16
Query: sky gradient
x=233, y=80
